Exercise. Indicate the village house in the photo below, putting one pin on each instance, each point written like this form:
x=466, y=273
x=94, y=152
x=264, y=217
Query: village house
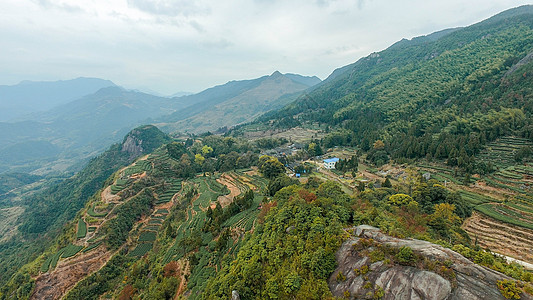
x=329, y=163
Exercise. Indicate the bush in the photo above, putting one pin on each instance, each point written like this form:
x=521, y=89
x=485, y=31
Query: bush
x=405, y=256
x=509, y=289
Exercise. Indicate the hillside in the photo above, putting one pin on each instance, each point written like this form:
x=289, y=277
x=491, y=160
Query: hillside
x=63, y=136
x=42, y=213
x=465, y=84
x=236, y=102
x=198, y=219
x=17, y=101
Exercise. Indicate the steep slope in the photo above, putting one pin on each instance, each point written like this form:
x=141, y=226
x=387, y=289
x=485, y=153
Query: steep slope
x=47, y=211
x=236, y=102
x=27, y=97
x=441, y=89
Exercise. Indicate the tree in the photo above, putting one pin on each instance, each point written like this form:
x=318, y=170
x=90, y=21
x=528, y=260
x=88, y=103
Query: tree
x=206, y=150
x=401, y=200
x=387, y=183
x=272, y=168
x=361, y=186
x=314, y=149
x=378, y=145
x=199, y=159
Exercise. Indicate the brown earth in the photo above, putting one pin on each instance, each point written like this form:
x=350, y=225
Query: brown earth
x=184, y=272
x=225, y=200
x=68, y=272
x=500, y=237
x=108, y=197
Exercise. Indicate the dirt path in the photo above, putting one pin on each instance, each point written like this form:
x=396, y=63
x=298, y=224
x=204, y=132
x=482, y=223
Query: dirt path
x=225, y=200
x=57, y=283
x=184, y=272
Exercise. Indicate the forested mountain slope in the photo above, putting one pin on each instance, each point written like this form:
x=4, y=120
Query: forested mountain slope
x=430, y=96
x=55, y=140
x=46, y=212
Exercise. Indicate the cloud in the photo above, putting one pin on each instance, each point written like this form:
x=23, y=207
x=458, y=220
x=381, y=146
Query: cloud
x=218, y=44
x=171, y=45
x=170, y=8
x=49, y=4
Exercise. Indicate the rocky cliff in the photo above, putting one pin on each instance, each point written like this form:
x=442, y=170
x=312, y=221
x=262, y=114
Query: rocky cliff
x=372, y=265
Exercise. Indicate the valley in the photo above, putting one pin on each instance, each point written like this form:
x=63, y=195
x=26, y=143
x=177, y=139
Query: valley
x=408, y=173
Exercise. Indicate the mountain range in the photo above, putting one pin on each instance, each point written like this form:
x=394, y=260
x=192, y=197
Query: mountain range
x=70, y=131
x=434, y=137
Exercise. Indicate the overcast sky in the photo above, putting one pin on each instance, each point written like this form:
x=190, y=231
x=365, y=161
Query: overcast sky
x=170, y=46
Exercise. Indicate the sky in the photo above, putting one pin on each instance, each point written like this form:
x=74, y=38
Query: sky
x=168, y=46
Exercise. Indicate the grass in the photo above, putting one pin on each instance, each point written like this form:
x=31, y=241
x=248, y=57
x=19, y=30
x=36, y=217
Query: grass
x=476, y=199
x=169, y=193
x=46, y=265
x=162, y=211
x=152, y=227
x=55, y=258
x=141, y=249
x=155, y=221
x=94, y=214
x=119, y=185
x=82, y=229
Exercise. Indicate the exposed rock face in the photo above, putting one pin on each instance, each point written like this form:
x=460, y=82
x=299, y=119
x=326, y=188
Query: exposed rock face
x=235, y=295
x=396, y=281
x=132, y=145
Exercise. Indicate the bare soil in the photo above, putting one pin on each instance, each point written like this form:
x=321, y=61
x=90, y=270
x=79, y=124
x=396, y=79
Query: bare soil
x=68, y=272
x=108, y=197
x=225, y=200
x=507, y=239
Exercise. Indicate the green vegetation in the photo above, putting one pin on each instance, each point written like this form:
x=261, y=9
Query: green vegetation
x=141, y=249
x=71, y=250
x=502, y=213
x=456, y=104
x=147, y=236
x=92, y=246
x=82, y=229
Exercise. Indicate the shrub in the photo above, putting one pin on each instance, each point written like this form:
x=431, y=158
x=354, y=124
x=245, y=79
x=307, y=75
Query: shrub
x=509, y=289
x=405, y=256
x=340, y=277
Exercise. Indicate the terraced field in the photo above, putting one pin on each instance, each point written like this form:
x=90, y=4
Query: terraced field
x=501, y=237
x=502, y=200
x=209, y=192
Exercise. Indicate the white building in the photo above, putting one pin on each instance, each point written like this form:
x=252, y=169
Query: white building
x=330, y=162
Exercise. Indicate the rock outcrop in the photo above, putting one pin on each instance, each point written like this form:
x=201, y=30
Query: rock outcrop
x=451, y=276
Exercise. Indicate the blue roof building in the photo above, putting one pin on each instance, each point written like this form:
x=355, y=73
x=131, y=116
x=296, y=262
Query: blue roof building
x=330, y=162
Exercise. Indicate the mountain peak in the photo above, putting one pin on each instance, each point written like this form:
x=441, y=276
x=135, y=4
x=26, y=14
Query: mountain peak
x=276, y=74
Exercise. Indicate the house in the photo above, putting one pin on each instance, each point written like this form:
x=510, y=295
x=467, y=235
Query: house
x=330, y=162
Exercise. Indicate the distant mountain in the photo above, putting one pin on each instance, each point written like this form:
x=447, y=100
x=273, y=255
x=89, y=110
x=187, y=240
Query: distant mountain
x=180, y=94
x=60, y=137
x=236, y=102
x=33, y=96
